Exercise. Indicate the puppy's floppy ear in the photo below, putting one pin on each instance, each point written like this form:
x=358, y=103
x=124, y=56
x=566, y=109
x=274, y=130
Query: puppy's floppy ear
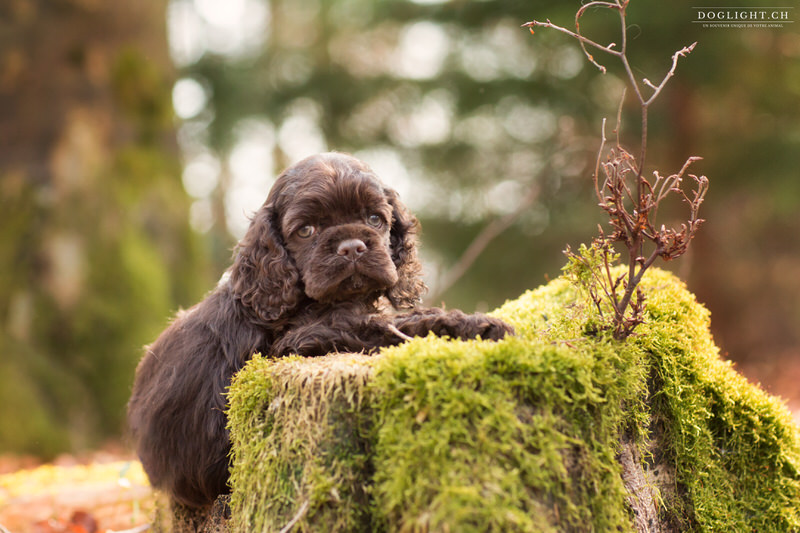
x=264, y=276
x=408, y=290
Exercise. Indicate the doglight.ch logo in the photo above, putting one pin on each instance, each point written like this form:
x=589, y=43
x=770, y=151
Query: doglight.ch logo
x=743, y=17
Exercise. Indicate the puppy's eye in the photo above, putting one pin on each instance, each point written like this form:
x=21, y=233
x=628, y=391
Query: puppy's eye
x=375, y=221
x=305, y=232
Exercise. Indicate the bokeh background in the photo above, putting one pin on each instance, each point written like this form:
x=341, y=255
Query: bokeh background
x=136, y=136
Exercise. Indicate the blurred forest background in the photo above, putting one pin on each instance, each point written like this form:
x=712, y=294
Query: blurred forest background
x=137, y=135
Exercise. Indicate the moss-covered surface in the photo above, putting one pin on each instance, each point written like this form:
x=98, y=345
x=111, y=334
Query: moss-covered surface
x=521, y=435
x=301, y=432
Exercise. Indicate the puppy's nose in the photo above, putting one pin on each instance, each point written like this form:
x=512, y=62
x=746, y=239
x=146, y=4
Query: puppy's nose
x=352, y=248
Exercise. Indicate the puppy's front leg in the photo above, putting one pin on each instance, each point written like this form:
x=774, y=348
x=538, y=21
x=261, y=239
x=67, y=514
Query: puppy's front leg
x=455, y=324
x=365, y=333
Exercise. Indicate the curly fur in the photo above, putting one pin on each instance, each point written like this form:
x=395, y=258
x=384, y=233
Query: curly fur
x=287, y=292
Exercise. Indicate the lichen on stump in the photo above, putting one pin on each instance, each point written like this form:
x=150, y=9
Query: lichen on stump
x=560, y=428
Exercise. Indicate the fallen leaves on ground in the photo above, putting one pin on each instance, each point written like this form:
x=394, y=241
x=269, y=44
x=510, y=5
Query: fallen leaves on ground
x=90, y=498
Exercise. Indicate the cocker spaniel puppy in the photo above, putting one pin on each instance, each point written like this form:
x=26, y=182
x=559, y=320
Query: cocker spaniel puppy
x=328, y=248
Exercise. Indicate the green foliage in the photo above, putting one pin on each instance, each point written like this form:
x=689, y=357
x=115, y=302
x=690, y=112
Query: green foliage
x=75, y=357
x=142, y=92
x=519, y=435
x=95, y=244
x=586, y=269
x=24, y=413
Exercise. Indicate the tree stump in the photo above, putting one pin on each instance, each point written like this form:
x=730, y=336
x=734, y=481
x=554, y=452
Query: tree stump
x=559, y=428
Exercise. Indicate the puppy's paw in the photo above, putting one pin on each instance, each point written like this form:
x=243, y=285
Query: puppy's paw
x=460, y=325
x=490, y=328
x=454, y=324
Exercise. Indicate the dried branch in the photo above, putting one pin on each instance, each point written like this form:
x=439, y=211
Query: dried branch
x=683, y=52
x=296, y=518
x=481, y=241
x=499, y=225
x=620, y=6
x=609, y=48
x=632, y=211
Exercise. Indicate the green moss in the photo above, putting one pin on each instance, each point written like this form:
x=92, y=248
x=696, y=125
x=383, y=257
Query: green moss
x=299, y=429
x=516, y=435
x=519, y=435
x=736, y=448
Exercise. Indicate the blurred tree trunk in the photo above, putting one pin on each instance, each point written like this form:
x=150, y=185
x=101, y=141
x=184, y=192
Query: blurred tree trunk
x=94, y=219
x=63, y=107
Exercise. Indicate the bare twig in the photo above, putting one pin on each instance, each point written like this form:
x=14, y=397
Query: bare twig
x=609, y=48
x=499, y=225
x=620, y=6
x=296, y=518
x=632, y=211
x=139, y=529
x=481, y=241
x=393, y=329
x=683, y=52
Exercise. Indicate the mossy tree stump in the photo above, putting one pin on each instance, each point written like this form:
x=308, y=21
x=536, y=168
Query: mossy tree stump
x=556, y=429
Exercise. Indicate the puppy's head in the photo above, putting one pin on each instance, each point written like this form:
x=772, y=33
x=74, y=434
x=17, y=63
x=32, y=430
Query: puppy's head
x=330, y=231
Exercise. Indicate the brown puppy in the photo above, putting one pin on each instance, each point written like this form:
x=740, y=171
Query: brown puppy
x=327, y=247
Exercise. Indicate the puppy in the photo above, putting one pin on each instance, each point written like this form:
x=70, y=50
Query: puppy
x=324, y=259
